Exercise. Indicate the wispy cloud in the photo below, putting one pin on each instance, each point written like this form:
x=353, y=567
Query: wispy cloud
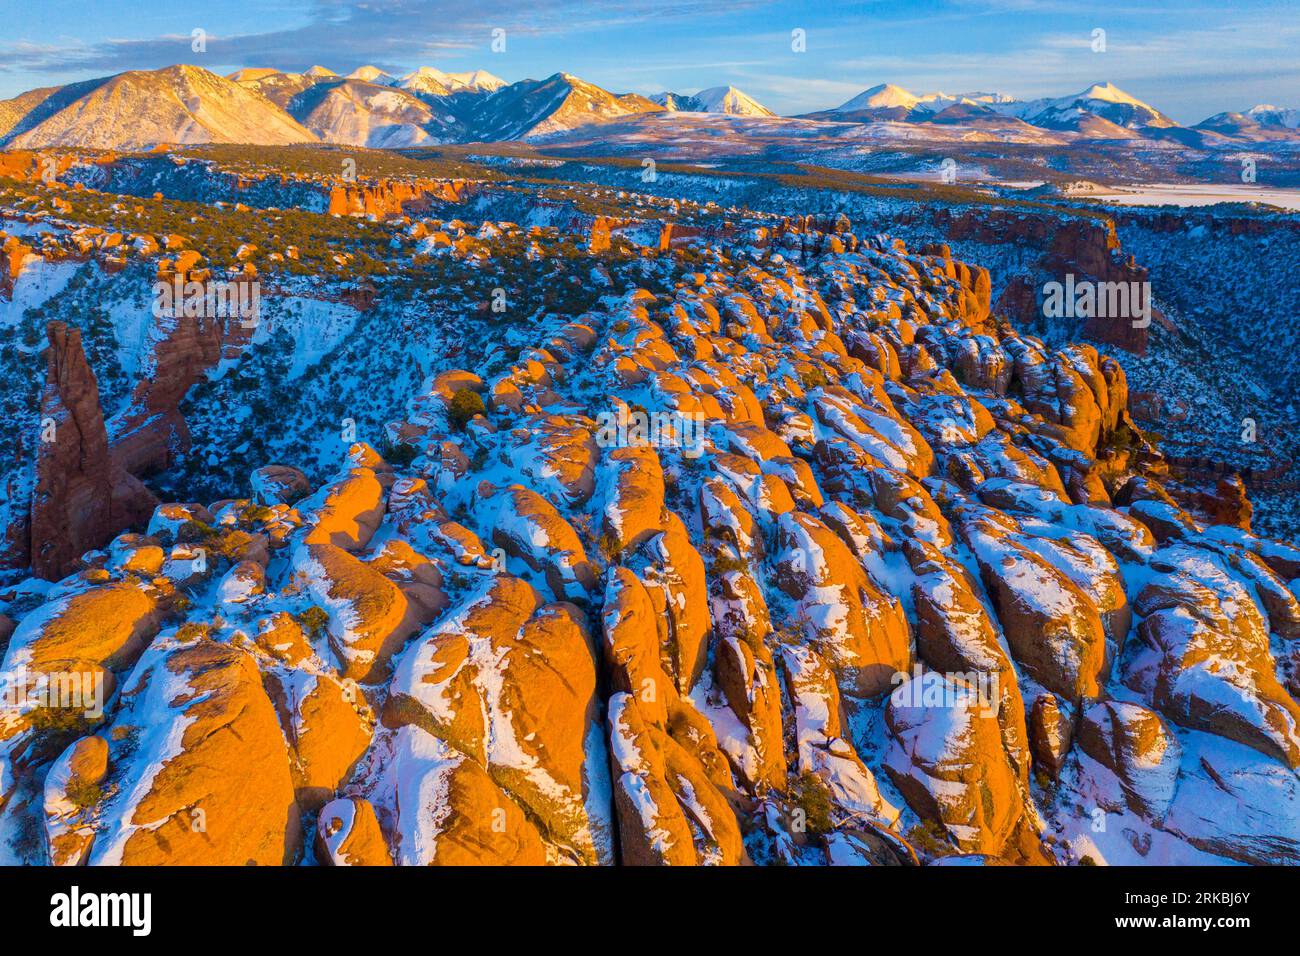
x=346, y=32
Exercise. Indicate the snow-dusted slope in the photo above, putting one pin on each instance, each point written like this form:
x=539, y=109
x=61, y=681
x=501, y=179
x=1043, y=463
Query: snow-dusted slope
x=1102, y=100
x=716, y=99
x=281, y=88
x=1260, y=123
x=26, y=110
x=180, y=104
x=372, y=74
x=555, y=104
x=1275, y=116
x=881, y=96
x=887, y=96
x=366, y=114
x=432, y=81
x=1101, y=111
x=251, y=74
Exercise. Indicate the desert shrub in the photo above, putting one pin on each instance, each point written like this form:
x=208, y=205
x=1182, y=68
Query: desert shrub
x=257, y=514
x=191, y=631
x=313, y=621
x=232, y=545
x=83, y=793
x=465, y=404
x=28, y=839
x=812, y=378
x=194, y=531
x=810, y=795
x=607, y=545
x=725, y=561
x=57, y=727
x=59, y=720
x=930, y=839
x=400, y=454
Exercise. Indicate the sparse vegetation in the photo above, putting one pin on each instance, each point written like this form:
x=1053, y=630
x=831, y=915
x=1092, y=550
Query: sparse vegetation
x=930, y=839
x=400, y=454
x=314, y=620
x=57, y=727
x=465, y=404
x=192, y=631
x=809, y=794
x=84, y=794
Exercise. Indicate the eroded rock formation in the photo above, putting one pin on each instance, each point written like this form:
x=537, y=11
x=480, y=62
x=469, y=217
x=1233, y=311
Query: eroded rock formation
x=83, y=495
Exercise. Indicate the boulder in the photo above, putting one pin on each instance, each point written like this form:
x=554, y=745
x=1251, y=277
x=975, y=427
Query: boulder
x=201, y=768
x=632, y=483
x=947, y=759
x=369, y=618
x=857, y=627
x=511, y=683
x=346, y=512
x=348, y=834
x=451, y=813
x=1134, y=744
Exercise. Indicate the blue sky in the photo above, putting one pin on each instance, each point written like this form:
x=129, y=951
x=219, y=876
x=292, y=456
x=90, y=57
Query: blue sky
x=1189, y=59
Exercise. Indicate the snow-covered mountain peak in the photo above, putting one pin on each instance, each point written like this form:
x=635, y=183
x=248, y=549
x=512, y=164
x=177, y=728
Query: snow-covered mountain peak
x=728, y=99
x=371, y=74
x=1110, y=93
x=881, y=96
x=1275, y=115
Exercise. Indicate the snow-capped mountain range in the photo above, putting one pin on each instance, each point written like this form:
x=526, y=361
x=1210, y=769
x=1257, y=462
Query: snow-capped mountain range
x=369, y=107
x=888, y=96
x=1103, y=110
x=716, y=99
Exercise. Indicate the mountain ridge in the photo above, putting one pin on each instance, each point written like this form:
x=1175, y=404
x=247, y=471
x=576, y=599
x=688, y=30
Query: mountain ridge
x=187, y=104
x=715, y=99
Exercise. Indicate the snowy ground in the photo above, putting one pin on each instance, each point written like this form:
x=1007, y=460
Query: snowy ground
x=1191, y=194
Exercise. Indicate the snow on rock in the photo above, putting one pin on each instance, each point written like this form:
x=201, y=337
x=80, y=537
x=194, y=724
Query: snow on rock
x=369, y=617
x=1138, y=749
x=200, y=771
x=510, y=682
x=673, y=574
x=1052, y=625
x=821, y=746
x=1262, y=828
x=633, y=484
x=947, y=758
x=669, y=811
x=1203, y=656
x=346, y=512
x=528, y=527
x=856, y=626
x=348, y=834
